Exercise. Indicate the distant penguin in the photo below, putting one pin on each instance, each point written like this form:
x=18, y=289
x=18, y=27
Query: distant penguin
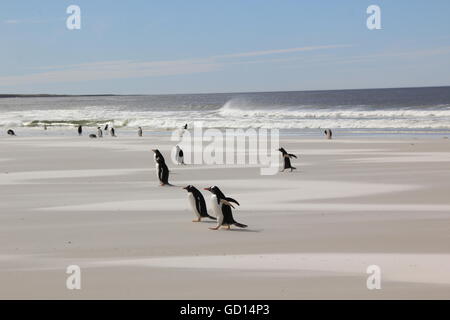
x=162, y=171
x=80, y=130
x=45, y=127
x=198, y=204
x=11, y=132
x=113, y=132
x=180, y=155
x=106, y=128
x=99, y=132
x=222, y=208
x=287, y=159
x=92, y=136
x=185, y=127
x=140, y=132
x=328, y=134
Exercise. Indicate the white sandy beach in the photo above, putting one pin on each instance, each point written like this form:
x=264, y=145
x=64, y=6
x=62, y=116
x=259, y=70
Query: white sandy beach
x=312, y=233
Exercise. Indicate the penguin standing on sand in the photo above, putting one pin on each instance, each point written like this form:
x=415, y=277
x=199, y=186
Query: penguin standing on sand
x=113, y=132
x=328, y=134
x=99, y=132
x=222, y=208
x=106, y=129
x=140, y=132
x=80, y=130
x=179, y=155
x=198, y=204
x=287, y=159
x=11, y=132
x=162, y=171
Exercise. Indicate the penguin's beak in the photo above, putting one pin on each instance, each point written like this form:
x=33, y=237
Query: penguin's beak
x=154, y=150
x=207, y=189
x=185, y=188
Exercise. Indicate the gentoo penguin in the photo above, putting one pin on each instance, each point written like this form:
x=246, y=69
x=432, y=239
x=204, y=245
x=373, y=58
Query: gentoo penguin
x=140, y=132
x=287, y=159
x=92, y=136
x=328, y=134
x=180, y=155
x=222, y=208
x=162, y=171
x=113, y=132
x=80, y=130
x=106, y=128
x=185, y=126
x=99, y=132
x=198, y=204
x=11, y=132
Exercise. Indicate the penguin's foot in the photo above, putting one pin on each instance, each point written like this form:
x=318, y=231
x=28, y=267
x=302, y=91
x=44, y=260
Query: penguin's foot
x=228, y=227
x=214, y=228
x=197, y=220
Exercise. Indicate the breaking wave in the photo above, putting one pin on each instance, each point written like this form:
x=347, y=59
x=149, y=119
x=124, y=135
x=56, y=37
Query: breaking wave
x=234, y=113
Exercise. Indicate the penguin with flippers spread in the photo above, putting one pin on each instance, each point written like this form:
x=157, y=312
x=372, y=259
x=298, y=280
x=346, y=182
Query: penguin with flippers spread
x=221, y=206
x=287, y=159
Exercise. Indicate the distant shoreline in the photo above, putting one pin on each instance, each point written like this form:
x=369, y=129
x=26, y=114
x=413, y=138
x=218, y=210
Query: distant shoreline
x=54, y=95
x=12, y=95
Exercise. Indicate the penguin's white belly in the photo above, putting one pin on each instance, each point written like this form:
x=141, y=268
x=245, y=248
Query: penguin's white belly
x=217, y=209
x=157, y=170
x=192, y=204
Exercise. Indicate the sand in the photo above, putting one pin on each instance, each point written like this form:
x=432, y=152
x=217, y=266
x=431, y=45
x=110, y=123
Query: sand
x=352, y=203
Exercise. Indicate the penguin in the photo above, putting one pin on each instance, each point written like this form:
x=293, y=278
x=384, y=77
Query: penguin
x=287, y=159
x=11, y=132
x=328, y=134
x=80, y=130
x=179, y=155
x=140, y=132
x=45, y=127
x=99, y=132
x=92, y=136
x=222, y=208
x=162, y=171
x=185, y=127
x=113, y=132
x=106, y=129
x=198, y=204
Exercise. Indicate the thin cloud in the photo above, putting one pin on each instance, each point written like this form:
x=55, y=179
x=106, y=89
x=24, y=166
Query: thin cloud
x=29, y=21
x=113, y=70
x=124, y=69
x=11, y=21
x=280, y=51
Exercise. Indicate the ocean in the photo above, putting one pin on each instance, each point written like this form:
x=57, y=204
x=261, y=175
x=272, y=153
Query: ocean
x=371, y=111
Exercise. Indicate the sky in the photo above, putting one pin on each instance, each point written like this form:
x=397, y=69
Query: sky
x=203, y=46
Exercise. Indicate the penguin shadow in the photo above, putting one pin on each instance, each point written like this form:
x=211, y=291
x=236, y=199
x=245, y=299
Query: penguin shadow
x=244, y=230
x=297, y=171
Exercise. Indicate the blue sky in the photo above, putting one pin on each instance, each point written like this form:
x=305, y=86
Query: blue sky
x=152, y=47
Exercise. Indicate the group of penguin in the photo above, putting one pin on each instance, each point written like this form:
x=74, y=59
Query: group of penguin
x=221, y=205
x=99, y=134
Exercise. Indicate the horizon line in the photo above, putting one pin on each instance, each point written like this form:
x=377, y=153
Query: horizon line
x=56, y=95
